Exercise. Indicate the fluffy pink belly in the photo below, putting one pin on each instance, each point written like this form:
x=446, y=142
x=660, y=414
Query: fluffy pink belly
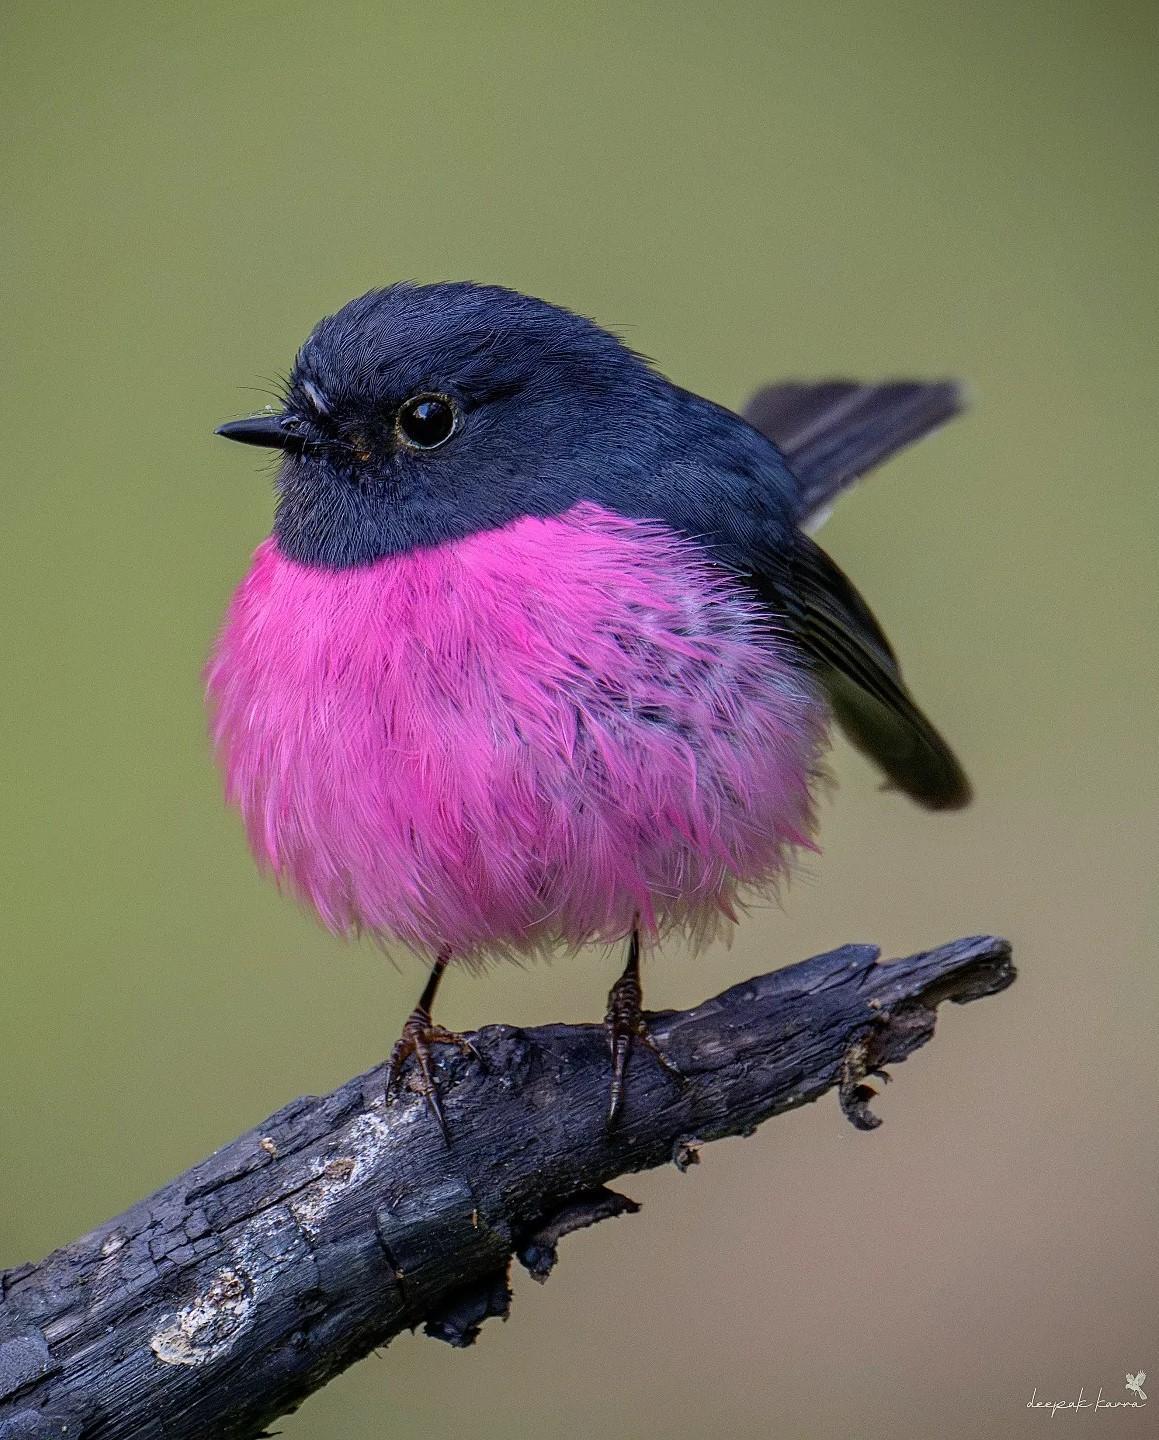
x=525, y=738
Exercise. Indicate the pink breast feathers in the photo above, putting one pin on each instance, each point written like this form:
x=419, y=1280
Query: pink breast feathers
x=519, y=740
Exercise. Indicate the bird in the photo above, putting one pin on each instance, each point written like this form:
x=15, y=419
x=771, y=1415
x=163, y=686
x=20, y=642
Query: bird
x=540, y=652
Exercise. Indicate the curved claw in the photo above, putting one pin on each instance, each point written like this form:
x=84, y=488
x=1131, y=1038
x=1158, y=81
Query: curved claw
x=621, y=1035
x=626, y=1022
x=419, y=1036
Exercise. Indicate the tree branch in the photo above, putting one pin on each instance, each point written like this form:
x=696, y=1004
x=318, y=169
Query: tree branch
x=224, y=1299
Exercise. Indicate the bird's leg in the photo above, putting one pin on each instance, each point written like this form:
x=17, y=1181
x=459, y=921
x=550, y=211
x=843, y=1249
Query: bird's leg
x=625, y=1022
x=419, y=1034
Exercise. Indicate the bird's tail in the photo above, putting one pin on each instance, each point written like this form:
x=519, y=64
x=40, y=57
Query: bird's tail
x=832, y=431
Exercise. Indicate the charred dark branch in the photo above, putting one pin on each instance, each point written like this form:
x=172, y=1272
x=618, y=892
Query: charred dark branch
x=224, y=1299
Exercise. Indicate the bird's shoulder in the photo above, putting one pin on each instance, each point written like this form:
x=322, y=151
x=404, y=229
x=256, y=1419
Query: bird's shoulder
x=712, y=478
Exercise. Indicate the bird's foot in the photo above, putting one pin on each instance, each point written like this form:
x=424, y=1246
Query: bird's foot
x=626, y=1022
x=419, y=1035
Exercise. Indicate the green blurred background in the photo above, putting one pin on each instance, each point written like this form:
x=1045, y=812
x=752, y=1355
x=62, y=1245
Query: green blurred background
x=746, y=191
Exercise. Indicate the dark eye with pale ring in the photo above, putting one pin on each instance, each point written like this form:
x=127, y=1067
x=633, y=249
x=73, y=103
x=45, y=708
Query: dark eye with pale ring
x=425, y=422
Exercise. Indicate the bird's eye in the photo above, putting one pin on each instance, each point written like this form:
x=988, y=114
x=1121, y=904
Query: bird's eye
x=426, y=421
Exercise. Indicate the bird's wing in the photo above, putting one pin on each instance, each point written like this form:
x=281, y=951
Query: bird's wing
x=841, y=638
x=832, y=431
x=732, y=491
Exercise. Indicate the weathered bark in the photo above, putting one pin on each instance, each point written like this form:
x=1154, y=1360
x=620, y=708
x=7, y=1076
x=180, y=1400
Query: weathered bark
x=224, y=1299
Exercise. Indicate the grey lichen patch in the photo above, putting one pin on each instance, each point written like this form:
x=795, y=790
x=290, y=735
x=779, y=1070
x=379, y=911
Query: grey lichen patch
x=209, y=1324
x=115, y=1241
x=363, y=1145
x=312, y=1206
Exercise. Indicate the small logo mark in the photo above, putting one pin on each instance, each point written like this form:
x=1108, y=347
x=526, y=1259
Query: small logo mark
x=1083, y=1401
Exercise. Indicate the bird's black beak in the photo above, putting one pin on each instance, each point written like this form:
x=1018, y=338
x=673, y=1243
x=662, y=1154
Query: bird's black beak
x=266, y=430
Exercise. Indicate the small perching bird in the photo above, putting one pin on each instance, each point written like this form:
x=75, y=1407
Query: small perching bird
x=538, y=653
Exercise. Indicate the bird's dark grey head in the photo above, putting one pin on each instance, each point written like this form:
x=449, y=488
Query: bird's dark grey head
x=424, y=413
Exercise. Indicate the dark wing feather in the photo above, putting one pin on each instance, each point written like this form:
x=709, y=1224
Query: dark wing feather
x=839, y=634
x=832, y=431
